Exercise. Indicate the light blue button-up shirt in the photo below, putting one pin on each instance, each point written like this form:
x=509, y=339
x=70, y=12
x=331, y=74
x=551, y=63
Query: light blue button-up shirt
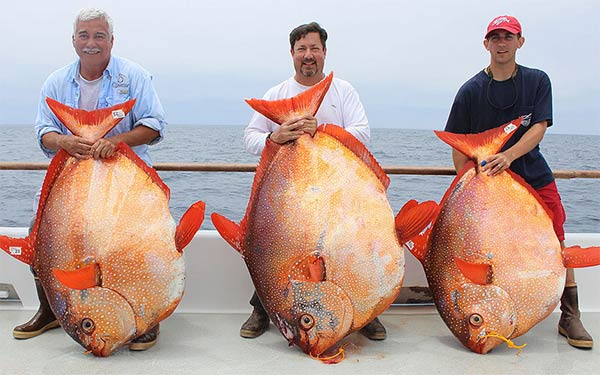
x=122, y=80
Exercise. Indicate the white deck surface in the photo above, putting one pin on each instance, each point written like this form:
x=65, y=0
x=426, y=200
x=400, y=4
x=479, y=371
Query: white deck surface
x=209, y=344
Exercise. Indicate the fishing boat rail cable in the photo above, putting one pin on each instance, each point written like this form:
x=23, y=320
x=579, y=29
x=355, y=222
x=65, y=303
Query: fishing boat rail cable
x=209, y=257
x=249, y=167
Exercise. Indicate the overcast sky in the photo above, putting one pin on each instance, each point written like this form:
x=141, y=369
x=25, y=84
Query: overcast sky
x=407, y=59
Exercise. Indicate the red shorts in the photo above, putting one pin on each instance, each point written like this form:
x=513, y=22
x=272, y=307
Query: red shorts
x=550, y=196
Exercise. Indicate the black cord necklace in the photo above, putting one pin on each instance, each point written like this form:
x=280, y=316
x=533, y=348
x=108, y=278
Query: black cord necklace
x=489, y=73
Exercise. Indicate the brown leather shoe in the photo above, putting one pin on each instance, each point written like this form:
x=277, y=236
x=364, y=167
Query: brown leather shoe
x=42, y=321
x=256, y=325
x=145, y=341
x=570, y=325
x=374, y=330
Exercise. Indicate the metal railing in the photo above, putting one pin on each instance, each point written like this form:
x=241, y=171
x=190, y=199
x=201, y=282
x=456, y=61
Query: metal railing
x=239, y=167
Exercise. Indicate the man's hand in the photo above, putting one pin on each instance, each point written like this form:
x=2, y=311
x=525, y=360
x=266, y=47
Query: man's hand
x=76, y=146
x=102, y=148
x=294, y=128
x=496, y=164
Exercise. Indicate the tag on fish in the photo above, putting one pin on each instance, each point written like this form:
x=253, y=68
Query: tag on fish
x=509, y=128
x=118, y=114
x=15, y=250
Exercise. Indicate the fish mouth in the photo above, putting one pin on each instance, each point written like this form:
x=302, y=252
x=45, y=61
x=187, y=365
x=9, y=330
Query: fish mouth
x=286, y=329
x=485, y=342
x=99, y=349
x=485, y=345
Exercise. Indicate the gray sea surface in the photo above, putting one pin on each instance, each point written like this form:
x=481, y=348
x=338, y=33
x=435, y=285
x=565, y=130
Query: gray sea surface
x=228, y=193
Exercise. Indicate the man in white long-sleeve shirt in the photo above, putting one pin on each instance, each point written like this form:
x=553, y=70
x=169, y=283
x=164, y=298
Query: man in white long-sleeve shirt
x=341, y=106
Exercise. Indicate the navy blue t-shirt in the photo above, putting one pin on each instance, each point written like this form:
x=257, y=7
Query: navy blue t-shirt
x=474, y=111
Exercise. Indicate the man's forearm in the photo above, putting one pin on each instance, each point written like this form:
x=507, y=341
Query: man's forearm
x=140, y=135
x=530, y=139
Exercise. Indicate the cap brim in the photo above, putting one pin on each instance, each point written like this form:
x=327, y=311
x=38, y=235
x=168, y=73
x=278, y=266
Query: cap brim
x=509, y=29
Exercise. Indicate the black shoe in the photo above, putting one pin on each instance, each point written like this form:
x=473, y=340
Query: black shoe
x=256, y=324
x=145, y=341
x=374, y=330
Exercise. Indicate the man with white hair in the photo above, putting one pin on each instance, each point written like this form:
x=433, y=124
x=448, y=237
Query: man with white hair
x=97, y=79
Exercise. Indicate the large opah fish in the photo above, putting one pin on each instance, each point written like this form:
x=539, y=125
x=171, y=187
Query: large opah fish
x=318, y=235
x=492, y=258
x=104, y=243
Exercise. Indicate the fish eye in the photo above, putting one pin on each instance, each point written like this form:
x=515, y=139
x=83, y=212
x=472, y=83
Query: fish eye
x=306, y=322
x=87, y=325
x=476, y=320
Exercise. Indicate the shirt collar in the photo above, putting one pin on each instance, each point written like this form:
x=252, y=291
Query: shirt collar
x=108, y=71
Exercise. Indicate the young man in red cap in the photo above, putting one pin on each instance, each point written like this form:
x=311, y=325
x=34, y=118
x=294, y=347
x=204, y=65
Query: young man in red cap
x=496, y=95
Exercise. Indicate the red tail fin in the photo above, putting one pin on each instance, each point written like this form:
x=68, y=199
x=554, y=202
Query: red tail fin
x=413, y=226
x=577, y=257
x=279, y=111
x=481, y=145
x=18, y=248
x=189, y=224
x=91, y=125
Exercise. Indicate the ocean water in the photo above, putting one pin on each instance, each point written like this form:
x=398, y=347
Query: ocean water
x=228, y=193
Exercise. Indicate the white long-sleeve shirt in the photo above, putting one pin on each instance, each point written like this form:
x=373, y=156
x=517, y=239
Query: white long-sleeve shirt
x=341, y=106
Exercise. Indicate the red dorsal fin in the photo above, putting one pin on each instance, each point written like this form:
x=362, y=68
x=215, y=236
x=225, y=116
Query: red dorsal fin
x=19, y=248
x=189, y=224
x=307, y=102
x=529, y=188
x=82, y=278
x=310, y=268
x=478, y=273
x=125, y=150
x=469, y=166
x=413, y=226
x=577, y=257
x=91, y=125
x=229, y=231
x=358, y=148
x=56, y=166
x=481, y=145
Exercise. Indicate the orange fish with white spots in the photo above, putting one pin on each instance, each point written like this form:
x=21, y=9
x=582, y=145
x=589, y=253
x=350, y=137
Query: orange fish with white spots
x=492, y=259
x=318, y=235
x=104, y=243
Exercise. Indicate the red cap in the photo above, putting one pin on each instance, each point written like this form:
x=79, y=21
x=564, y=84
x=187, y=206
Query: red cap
x=508, y=23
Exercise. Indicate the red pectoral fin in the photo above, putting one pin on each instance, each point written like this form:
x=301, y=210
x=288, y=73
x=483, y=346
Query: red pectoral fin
x=19, y=248
x=413, y=226
x=83, y=278
x=316, y=269
x=189, y=224
x=476, y=272
x=230, y=231
x=577, y=257
x=310, y=268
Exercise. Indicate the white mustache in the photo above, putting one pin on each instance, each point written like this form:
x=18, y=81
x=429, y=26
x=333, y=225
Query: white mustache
x=91, y=50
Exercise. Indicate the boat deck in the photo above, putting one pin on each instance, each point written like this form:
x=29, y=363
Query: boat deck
x=418, y=343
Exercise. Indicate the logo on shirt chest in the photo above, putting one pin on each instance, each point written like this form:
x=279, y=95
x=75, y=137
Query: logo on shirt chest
x=122, y=83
